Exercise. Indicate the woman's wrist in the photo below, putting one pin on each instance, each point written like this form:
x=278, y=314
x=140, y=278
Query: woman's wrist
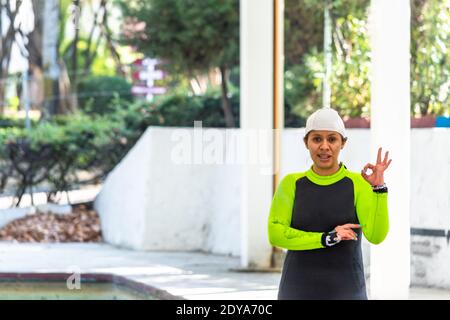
x=379, y=185
x=378, y=182
x=331, y=238
x=381, y=188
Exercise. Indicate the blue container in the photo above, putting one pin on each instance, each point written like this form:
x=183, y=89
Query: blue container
x=443, y=122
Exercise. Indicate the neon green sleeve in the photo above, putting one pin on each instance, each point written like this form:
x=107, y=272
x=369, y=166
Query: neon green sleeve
x=280, y=232
x=372, y=211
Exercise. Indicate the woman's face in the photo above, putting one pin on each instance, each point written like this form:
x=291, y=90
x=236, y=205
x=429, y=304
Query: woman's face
x=324, y=148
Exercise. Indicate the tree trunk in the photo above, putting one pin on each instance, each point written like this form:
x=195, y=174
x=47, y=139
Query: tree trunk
x=76, y=4
x=2, y=97
x=7, y=38
x=327, y=43
x=104, y=28
x=50, y=57
x=34, y=48
x=34, y=45
x=67, y=91
x=91, y=51
x=226, y=105
x=1, y=42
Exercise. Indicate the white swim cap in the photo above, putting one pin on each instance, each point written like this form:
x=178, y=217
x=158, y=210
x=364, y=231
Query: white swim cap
x=325, y=119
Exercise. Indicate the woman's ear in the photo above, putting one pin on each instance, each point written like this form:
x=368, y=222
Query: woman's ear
x=344, y=141
x=305, y=140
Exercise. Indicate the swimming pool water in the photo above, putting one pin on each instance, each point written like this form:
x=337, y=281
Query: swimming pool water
x=58, y=290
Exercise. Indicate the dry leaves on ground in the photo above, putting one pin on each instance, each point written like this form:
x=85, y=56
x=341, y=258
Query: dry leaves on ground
x=82, y=225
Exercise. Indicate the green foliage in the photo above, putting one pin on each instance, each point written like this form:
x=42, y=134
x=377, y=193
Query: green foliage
x=304, y=22
x=8, y=122
x=53, y=152
x=350, y=86
x=182, y=109
x=189, y=37
x=430, y=57
x=101, y=60
x=350, y=78
x=93, y=52
x=211, y=113
x=349, y=81
x=302, y=85
x=96, y=93
x=303, y=30
x=192, y=36
x=179, y=109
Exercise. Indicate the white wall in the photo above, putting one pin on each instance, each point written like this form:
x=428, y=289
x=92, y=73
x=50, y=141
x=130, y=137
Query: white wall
x=430, y=205
x=122, y=203
x=151, y=203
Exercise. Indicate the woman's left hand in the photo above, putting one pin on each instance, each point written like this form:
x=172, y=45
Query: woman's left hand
x=376, y=178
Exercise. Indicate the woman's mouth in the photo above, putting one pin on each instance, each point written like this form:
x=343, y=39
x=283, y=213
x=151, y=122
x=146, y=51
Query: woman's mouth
x=324, y=157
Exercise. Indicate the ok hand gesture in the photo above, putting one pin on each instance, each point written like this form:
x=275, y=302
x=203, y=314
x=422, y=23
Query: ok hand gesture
x=376, y=177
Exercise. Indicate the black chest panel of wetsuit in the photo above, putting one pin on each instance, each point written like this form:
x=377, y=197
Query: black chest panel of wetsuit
x=328, y=273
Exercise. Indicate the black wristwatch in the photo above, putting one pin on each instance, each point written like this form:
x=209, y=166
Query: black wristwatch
x=331, y=238
x=380, y=189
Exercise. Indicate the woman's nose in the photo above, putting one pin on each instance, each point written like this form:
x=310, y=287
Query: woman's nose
x=324, y=145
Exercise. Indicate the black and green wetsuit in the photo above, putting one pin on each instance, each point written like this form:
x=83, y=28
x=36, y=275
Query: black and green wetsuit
x=307, y=205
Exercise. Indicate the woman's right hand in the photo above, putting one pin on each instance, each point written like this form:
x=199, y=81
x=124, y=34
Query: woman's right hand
x=345, y=231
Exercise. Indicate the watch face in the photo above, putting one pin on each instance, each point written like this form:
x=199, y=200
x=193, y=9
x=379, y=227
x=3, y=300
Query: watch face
x=332, y=238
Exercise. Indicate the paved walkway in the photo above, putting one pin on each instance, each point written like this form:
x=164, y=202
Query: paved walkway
x=191, y=275
x=88, y=193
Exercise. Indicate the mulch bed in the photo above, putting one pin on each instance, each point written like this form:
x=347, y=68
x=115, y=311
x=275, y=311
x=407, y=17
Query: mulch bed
x=82, y=225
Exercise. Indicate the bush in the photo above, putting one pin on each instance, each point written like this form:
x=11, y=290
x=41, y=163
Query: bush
x=302, y=91
x=134, y=118
x=180, y=109
x=53, y=153
x=96, y=93
x=7, y=122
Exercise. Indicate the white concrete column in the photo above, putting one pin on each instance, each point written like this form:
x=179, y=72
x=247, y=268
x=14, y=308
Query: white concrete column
x=390, y=128
x=256, y=34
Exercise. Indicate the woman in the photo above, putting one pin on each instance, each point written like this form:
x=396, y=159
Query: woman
x=318, y=215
